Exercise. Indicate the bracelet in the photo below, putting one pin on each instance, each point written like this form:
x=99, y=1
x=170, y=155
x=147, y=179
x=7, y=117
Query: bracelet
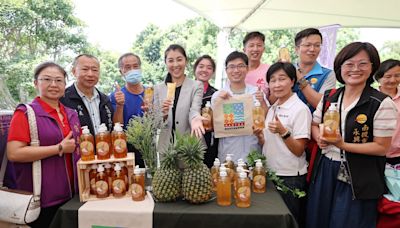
x=302, y=83
x=60, y=150
x=286, y=135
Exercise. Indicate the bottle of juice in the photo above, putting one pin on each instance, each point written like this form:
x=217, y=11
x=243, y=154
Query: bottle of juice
x=92, y=179
x=101, y=183
x=119, y=141
x=110, y=173
x=148, y=95
x=239, y=169
x=243, y=192
x=224, y=188
x=137, y=187
x=284, y=55
x=331, y=123
x=103, y=142
x=259, y=177
x=207, y=113
x=118, y=182
x=258, y=116
x=215, y=173
x=230, y=165
x=124, y=171
x=86, y=145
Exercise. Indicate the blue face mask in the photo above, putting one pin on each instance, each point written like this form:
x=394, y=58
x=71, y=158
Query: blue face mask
x=133, y=76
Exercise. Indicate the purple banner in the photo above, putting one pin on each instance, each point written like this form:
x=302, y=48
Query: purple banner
x=328, y=49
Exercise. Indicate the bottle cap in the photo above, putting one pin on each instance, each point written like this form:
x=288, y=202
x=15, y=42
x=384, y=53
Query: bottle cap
x=100, y=168
x=137, y=170
x=222, y=168
x=257, y=103
x=117, y=167
x=107, y=165
x=259, y=163
x=102, y=128
x=229, y=157
x=85, y=130
x=208, y=104
x=118, y=127
x=333, y=107
x=217, y=162
x=242, y=175
x=94, y=166
x=239, y=169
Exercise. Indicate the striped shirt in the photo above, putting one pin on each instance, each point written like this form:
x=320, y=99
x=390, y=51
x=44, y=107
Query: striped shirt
x=92, y=105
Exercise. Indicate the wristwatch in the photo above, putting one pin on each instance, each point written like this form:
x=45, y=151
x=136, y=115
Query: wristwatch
x=286, y=135
x=302, y=83
x=60, y=150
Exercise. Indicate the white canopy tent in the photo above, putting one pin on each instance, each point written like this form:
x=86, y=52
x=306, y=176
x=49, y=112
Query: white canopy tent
x=251, y=15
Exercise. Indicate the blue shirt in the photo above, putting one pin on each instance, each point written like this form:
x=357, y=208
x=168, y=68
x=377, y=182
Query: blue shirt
x=132, y=106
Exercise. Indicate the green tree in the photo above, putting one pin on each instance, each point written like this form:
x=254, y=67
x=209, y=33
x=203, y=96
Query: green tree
x=390, y=50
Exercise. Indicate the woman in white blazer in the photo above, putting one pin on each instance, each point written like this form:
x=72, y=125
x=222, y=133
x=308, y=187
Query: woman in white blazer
x=182, y=114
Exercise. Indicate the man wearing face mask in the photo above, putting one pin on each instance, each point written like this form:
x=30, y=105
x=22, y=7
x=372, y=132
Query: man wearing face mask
x=129, y=66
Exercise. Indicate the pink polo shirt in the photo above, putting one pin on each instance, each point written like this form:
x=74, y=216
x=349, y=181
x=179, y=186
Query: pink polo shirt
x=258, y=77
x=394, y=150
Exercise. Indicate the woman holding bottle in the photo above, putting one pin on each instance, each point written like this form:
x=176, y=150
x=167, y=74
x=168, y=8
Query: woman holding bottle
x=348, y=178
x=388, y=76
x=58, y=132
x=288, y=130
x=179, y=99
x=204, y=69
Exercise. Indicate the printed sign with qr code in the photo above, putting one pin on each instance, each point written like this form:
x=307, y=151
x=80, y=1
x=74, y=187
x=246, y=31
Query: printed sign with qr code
x=233, y=116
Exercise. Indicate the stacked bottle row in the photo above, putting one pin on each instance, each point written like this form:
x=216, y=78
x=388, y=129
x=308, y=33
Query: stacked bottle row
x=106, y=179
x=106, y=143
x=226, y=181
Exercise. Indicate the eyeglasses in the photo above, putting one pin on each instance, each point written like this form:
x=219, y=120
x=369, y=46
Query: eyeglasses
x=363, y=65
x=308, y=46
x=49, y=81
x=233, y=67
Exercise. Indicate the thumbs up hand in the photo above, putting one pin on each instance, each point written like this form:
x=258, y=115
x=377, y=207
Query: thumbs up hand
x=276, y=126
x=68, y=143
x=119, y=95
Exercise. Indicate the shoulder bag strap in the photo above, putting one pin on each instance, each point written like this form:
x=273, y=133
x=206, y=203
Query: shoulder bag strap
x=3, y=169
x=36, y=165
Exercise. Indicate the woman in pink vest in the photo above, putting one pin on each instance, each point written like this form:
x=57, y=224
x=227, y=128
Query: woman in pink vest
x=58, y=132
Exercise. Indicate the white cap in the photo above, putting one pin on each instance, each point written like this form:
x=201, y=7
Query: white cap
x=229, y=157
x=222, y=168
x=117, y=167
x=94, y=166
x=242, y=175
x=217, y=162
x=107, y=165
x=239, y=169
x=333, y=107
x=259, y=163
x=257, y=103
x=100, y=168
x=118, y=127
x=85, y=130
x=208, y=104
x=102, y=128
x=137, y=170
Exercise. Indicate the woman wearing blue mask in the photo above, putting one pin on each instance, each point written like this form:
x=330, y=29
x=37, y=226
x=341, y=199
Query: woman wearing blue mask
x=128, y=100
x=182, y=111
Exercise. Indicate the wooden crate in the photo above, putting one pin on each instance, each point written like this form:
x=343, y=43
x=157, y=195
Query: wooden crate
x=83, y=176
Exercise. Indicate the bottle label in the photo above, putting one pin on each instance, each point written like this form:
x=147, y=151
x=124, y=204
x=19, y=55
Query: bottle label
x=243, y=193
x=118, y=186
x=119, y=146
x=259, y=181
x=86, y=148
x=102, y=148
x=136, y=190
x=101, y=187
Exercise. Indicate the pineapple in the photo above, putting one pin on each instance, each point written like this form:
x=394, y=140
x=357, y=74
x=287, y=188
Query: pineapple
x=196, y=180
x=168, y=178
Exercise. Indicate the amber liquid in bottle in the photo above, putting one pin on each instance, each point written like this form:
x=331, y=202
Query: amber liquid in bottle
x=118, y=184
x=103, y=142
x=224, y=188
x=258, y=117
x=259, y=180
x=148, y=95
x=119, y=144
x=208, y=115
x=215, y=176
x=331, y=123
x=87, y=146
x=243, y=192
x=110, y=173
x=92, y=179
x=125, y=173
x=137, y=187
x=101, y=184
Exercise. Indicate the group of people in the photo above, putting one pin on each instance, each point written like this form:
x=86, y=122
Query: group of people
x=293, y=97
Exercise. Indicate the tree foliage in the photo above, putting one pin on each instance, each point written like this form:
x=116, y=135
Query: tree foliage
x=390, y=50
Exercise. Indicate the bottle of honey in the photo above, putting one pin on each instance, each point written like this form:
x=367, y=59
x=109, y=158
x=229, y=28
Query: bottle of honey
x=224, y=188
x=258, y=116
x=230, y=165
x=92, y=179
x=119, y=142
x=137, y=187
x=331, y=123
x=101, y=183
x=239, y=169
x=103, y=142
x=243, y=192
x=86, y=145
x=110, y=173
x=284, y=55
x=125, y=173
x=118, y=182
x=207, y=113
x=259, y=179
x=215, y=173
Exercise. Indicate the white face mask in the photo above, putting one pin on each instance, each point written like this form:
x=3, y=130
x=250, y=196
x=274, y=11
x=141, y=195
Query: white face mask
x=133, y=76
